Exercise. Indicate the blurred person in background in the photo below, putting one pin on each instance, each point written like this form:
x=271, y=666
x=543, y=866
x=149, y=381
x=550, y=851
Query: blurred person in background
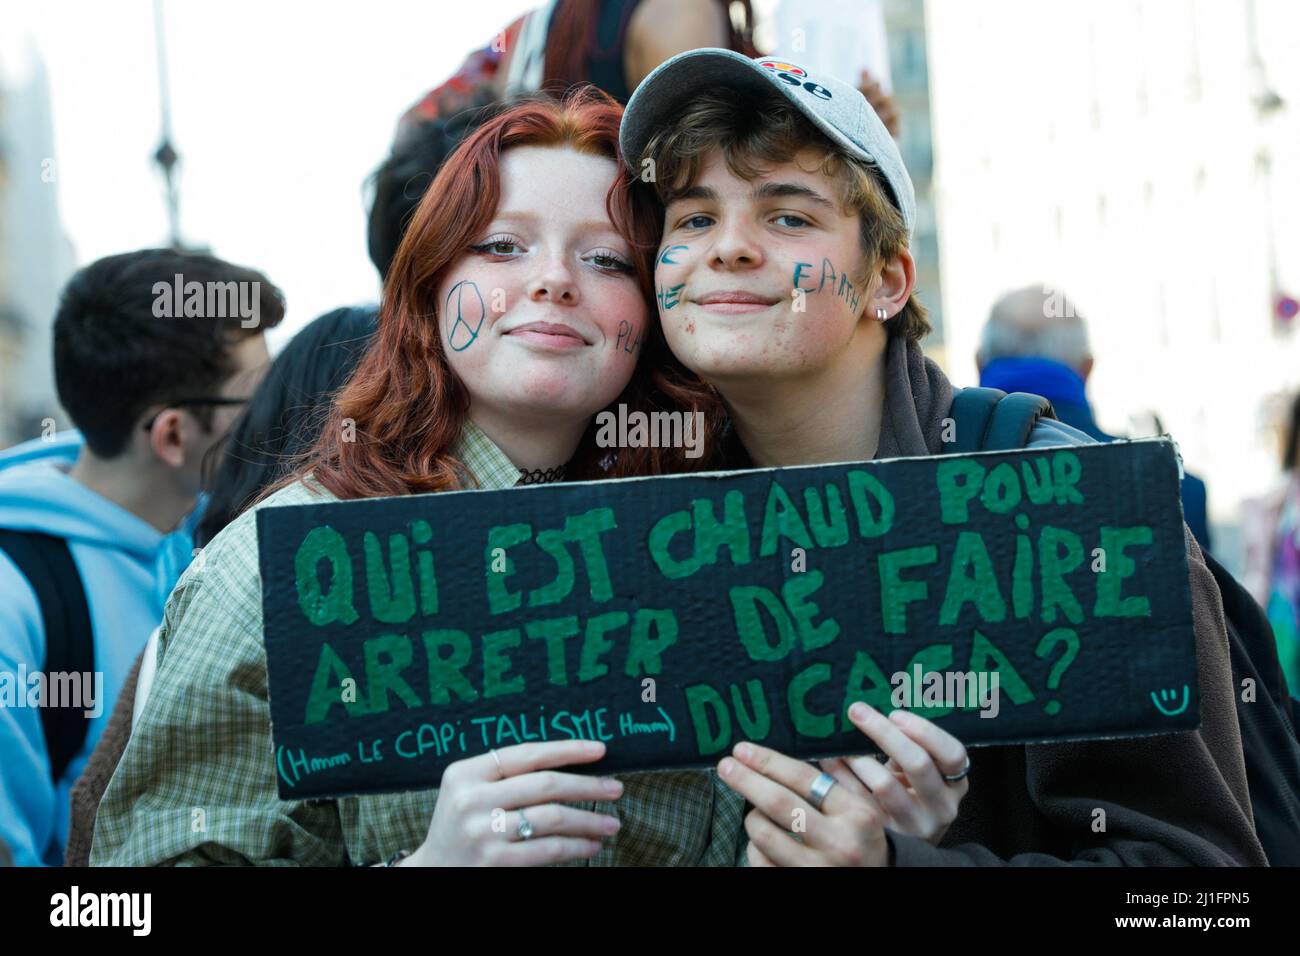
x=282, y=421
x=86, y=555
x=401, y=180
x=1271, y=531
x=612, y=44
x=1036, y=341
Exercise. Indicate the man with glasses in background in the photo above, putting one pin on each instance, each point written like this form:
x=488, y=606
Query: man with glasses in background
x=93, y=528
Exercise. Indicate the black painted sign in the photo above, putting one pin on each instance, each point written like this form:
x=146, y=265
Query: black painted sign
x=1012, y=597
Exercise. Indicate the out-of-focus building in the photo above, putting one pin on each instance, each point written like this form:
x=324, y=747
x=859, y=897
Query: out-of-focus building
x=1143, y=157
x=36, y=257
x=910, y=73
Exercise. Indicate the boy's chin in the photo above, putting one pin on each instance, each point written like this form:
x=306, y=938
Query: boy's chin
x=741, y=365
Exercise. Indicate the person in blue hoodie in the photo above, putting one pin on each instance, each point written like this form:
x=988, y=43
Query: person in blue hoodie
x=1036, y=341
x=155, y=352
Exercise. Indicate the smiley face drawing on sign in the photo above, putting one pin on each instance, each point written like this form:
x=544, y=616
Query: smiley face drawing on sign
x=470, y=311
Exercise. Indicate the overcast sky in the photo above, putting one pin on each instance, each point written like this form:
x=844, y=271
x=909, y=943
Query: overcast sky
x=280, y=111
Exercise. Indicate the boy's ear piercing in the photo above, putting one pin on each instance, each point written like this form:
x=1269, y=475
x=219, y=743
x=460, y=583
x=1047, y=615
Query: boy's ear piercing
x=882, y=313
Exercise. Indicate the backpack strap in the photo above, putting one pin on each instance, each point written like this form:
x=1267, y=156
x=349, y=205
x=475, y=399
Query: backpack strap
x=988, y=419
x=46, y=562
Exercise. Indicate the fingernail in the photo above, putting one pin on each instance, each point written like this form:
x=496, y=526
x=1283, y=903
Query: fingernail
x=860, y=711
x=612, y=786
x=593, y=746
x=744, y=751
x=900, y=716
x=726, y=766
x=611, y=825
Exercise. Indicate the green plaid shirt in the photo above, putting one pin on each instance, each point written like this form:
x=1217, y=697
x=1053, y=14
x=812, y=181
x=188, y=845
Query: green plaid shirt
x=197, y=783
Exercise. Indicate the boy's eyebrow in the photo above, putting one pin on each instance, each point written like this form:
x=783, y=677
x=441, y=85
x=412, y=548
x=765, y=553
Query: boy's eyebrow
x=779, y=190
x=765, y=191
x=696, y=192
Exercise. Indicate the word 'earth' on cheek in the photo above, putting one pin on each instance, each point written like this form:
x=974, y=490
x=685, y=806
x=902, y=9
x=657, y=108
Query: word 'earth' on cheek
x=625, y=341
x=846, y=291
x=671, y=297
x=464, y=328
x=666, y=257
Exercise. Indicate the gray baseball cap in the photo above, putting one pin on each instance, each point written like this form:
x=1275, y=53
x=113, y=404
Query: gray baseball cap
x=838, y=109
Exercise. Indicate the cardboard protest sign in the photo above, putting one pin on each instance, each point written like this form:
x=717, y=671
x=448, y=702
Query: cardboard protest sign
x=1012, y=597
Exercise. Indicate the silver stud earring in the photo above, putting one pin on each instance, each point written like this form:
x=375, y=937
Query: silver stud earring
x=882, y=313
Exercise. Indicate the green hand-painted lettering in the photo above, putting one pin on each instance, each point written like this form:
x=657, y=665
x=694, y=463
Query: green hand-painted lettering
x=703, y=701
x=895, y=593
x=586, y=529
x=781, y=519
x=1053, y=566
x=500, y=598
x=796, y=592
x=959, y=481
x=496, y=662
x=1110, y=583
x=555, y=633
x=749, y=623
x=595, y=644
x=644, y=653
x=864, y=488
x=445, y=672
x=972, y=579
x=392, y=597
x=552, y=542
x=325, y=693
x=387, y=655
x=806, y=723
x=324, y=543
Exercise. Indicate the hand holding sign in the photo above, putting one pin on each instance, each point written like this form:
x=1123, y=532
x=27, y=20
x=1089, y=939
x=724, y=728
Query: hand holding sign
x=848, y=828
x=478, y=819
x=910, y=789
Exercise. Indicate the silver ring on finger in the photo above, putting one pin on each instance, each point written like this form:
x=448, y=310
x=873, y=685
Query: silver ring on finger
x=954, y=777
x=820, y=787
x=525, y=829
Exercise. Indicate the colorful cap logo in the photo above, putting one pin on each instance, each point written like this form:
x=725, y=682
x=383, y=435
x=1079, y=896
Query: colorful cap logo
x=780, y=67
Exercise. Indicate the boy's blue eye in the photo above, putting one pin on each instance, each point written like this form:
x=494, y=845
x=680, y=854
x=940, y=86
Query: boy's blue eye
x=798, y=220
x=697, y=222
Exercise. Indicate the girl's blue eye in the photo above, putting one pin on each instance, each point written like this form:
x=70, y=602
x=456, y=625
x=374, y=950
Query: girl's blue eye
x=697, y=222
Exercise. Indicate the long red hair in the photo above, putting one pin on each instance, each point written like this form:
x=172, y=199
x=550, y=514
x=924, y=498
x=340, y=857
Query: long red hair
x=403, y=407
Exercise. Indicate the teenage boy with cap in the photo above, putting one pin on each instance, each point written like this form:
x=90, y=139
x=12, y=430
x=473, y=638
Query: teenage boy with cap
x=784, y=280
